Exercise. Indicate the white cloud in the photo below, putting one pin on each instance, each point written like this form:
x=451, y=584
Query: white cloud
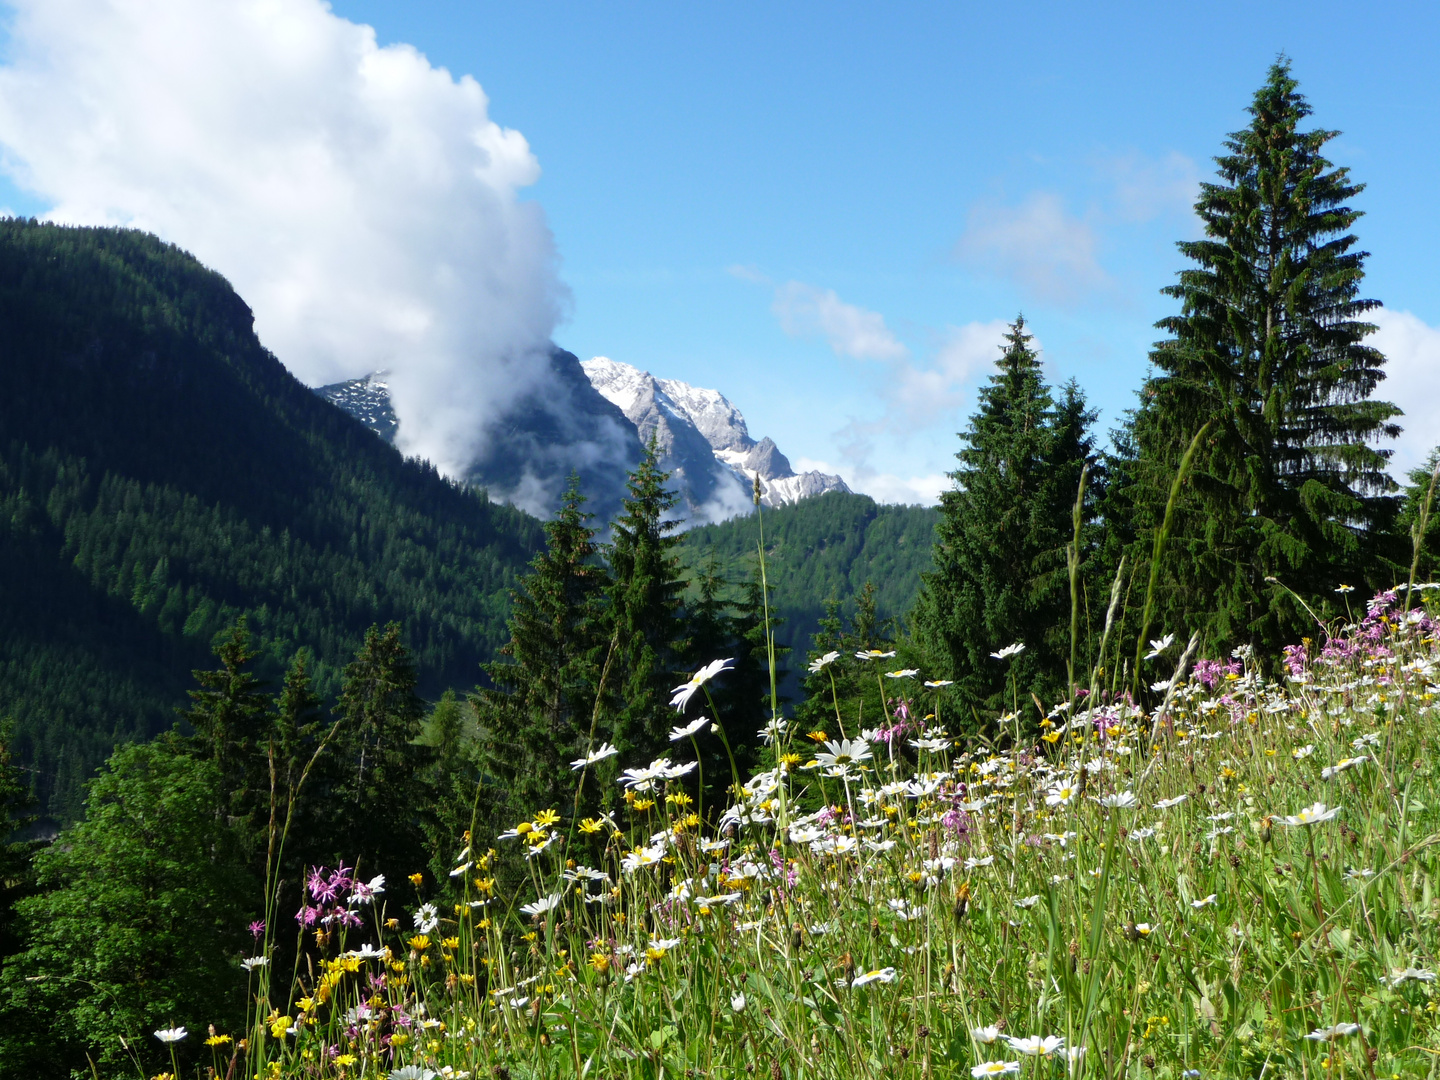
x=919, y=396
x=1412, y=369
x=1144, y=188
x=360, y=200
x=1037, y=244
x=806, y=311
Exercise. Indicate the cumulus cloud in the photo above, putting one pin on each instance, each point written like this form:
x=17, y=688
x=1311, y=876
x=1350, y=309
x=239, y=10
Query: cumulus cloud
x=1412, y=369
x=1037, y=244
x=806, y=311
x=919, y=395
x=361, y=200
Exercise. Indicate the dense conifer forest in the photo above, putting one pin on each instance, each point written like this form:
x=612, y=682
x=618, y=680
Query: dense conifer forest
x=162, y=474
x=825, y=548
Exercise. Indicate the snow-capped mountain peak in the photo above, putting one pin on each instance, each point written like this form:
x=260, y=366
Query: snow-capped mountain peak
x=715, y=480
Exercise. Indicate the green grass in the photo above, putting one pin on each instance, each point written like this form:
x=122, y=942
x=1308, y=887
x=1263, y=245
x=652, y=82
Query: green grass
x=873, y=920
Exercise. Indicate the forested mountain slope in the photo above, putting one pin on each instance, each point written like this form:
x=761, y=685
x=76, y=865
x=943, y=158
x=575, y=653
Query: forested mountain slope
x=822, y=547
x=162, y=473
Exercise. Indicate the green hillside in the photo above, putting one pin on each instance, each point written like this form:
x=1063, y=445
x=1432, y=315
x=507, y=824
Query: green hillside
x=828, y=546
x=162, y=473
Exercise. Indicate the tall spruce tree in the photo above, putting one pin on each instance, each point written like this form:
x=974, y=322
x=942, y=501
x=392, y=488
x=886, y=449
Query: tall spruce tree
x=999, y=574
x=381, y=782
x=1268, y=349
x=537, y=717
x=644, y=610
x=233, y=719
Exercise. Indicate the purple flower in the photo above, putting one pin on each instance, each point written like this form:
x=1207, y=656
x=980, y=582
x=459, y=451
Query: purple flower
x=1295, y=659
x=957, y=821
x=257, y=929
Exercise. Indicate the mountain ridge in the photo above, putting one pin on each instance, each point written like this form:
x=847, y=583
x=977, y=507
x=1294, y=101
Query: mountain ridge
x=162, y=473
x=673, y=410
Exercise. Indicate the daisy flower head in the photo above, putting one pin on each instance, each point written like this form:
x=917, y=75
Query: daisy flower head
x=844, y=752
x=936, y=684
x=1159, y=645
x=1060, y=794
x=605, y=751
x=995, y=1068
x=643, y=779
x=1301, y=753
x=1203, y=902
x=1330, y=1034
x=1400, y=975
x=874, y=654
x=820, y=663
x=1009, y=651
x=885, y=975
x=1343, y=765
x=541, y=906
x=986, y=1035
x=1166, y=804
x=1036, y=1045
x=1121, y=800
x=903, y=673
x=686, y=690
x=171, y=1035
x=427, y=918
x=1312, y=815
x=678, y=733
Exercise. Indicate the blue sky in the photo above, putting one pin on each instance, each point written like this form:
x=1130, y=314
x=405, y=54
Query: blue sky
x=826, y=210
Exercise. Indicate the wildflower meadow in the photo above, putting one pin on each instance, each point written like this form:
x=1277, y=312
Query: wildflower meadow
x=1239, y=881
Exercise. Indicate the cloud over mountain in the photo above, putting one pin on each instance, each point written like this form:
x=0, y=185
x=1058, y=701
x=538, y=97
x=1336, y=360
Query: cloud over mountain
x=360, y=199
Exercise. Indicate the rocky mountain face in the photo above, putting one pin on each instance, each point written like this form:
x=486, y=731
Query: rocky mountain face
x=565, y=426
x=704, y=442
x=594, y=417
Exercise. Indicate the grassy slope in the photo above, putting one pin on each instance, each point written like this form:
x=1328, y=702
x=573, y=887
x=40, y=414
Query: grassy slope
x=1254, y=892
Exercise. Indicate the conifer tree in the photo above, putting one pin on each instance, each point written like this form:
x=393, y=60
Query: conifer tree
x=537, y=717
x=644, y=610
x=999, y=574
x=728, y=621
x=304, y=819
x=380, y=786
x=232, y=718
x=1268, y=348
x=842, y=695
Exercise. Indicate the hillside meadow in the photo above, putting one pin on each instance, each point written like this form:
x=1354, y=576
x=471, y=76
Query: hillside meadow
x=1240, y=881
